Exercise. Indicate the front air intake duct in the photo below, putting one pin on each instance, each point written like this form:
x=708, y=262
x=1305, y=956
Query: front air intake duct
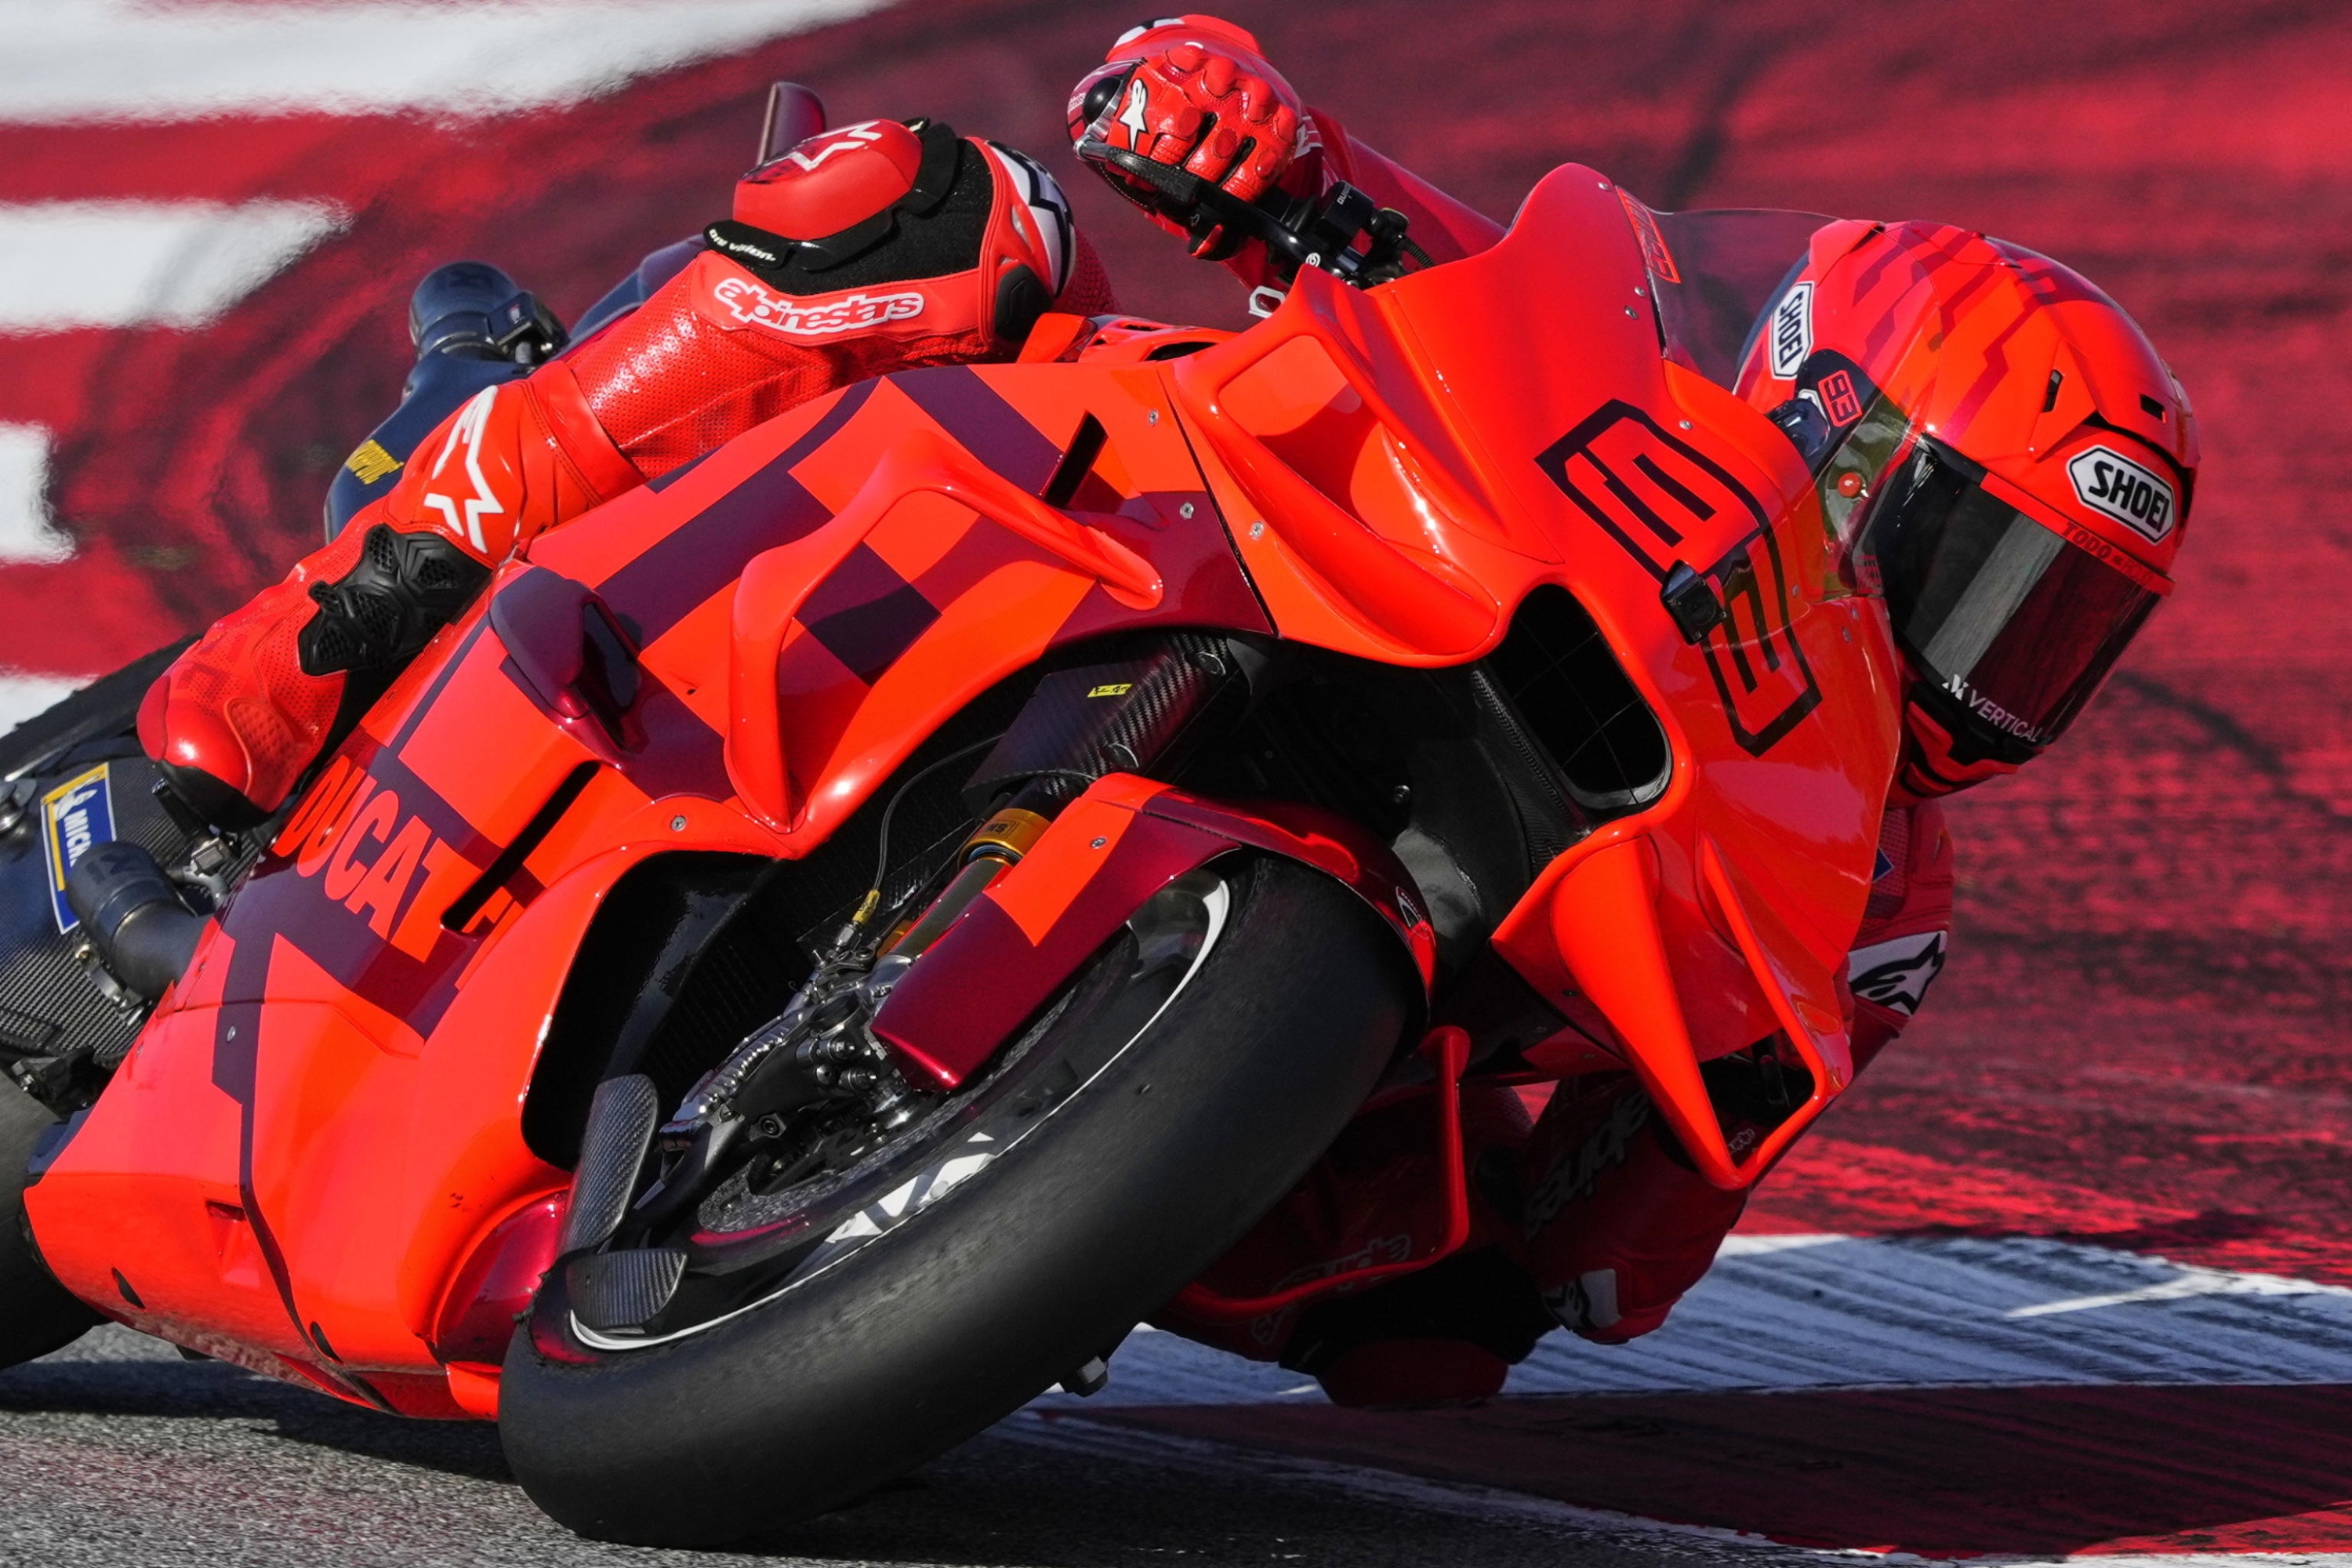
x=1581, y=706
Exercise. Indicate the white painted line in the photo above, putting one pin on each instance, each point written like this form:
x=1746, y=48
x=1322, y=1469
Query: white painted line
x=1828, y=1311
x=29, y=533
x=69, y=61
x=130, y=264
x=21, y=696
x=1889, y=1312
x=2191, y=1282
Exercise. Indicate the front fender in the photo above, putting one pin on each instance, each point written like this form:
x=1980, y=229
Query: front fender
x=1106, y=854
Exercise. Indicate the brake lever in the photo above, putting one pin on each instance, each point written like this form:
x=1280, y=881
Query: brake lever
x=1203, y=205
x=1300, y=232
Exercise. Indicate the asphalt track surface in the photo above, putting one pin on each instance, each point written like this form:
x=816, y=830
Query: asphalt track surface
x=125, y=1456
x=2139, y=1049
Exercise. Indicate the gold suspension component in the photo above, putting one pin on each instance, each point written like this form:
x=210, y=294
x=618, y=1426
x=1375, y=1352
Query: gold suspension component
x=1009, y=834
x=995, y=848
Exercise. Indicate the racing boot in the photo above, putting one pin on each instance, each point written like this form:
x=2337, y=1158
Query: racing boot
x=1447, y=1335
x=1618, y=1221
x=242, y=715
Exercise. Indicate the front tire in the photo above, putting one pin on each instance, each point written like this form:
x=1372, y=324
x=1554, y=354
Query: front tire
x=969, y=1306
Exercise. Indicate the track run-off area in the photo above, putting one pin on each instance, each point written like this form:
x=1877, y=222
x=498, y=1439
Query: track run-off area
x=2067, y=1275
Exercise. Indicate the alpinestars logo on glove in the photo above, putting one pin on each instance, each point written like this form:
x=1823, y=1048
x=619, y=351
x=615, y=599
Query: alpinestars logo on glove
x=1895, y=974
x=755, y=307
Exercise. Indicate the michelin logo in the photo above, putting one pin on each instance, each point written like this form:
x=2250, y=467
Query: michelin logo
x=2112, y=484
x=76, y=817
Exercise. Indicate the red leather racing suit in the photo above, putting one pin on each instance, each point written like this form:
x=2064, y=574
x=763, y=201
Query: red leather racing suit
x=965, y=244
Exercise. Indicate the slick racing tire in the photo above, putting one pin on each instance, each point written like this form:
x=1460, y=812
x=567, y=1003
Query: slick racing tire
x=37, y=1314
x=1185, y=1119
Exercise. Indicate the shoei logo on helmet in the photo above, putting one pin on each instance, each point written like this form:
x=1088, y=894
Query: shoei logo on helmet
x=1792, y=331
x=754, y=305
x=2138, y=498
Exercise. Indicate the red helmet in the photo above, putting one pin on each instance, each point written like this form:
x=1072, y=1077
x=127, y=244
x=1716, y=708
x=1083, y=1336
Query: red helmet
x=2000, y=454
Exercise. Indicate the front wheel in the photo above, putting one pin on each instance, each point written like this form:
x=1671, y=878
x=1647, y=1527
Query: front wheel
x=1175, y=1091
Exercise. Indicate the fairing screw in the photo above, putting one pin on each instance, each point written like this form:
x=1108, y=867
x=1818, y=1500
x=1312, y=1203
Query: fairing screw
x=1257, y=530
x=1184, y=511
x=677, y=824
x=1151, y=417
x=1685, y=423
x=1096, y=845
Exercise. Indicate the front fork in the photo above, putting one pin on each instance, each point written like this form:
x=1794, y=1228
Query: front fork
x=1079, y=726
x=998, y=846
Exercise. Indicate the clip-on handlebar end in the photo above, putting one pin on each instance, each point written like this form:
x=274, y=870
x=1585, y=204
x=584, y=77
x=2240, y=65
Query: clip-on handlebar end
x=1301, y=232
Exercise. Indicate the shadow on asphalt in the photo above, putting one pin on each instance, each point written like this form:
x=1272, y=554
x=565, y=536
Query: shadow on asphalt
x=1941, y=1473
x=996, y=1501
x=210, y=1391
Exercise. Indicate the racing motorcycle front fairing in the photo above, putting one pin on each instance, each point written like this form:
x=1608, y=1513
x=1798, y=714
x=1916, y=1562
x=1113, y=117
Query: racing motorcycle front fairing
x=1406, y=469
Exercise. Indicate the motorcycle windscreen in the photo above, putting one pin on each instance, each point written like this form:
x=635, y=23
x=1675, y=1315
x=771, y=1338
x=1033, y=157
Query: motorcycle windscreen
x=1999, y=609
x=1713, y=274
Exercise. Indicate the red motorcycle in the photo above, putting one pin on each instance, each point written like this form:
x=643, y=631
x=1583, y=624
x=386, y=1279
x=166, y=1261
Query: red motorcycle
x=834, y=938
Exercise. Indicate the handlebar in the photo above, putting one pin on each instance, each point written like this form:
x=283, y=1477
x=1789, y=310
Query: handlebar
x=1296, y=231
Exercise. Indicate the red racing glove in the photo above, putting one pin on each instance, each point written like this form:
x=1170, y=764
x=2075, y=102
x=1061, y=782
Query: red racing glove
x=1193, y=93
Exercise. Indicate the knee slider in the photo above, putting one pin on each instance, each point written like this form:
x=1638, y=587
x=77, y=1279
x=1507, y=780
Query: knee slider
x=404, y=587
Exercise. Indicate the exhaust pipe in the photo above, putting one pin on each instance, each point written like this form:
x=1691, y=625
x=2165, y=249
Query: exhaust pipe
x=132, y=913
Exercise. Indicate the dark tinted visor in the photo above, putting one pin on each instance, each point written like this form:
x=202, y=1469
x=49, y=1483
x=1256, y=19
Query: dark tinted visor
x=2015, y=623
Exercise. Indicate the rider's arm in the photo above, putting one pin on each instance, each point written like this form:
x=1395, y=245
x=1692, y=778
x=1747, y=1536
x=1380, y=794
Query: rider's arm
x=515, y=460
